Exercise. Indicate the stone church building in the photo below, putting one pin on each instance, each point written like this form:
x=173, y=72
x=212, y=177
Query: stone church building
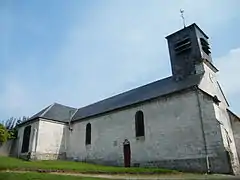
x=180, y=122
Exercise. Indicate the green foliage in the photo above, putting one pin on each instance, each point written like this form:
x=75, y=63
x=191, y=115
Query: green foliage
x=12, y=134
x=3, y=134
x=8, y=128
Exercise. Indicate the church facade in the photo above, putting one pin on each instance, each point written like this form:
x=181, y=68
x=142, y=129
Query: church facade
x=181, y=122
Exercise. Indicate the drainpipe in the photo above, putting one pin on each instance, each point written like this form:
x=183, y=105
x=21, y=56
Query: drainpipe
x=202, y=128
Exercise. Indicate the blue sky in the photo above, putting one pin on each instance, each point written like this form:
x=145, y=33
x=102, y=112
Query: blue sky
x=78, y=52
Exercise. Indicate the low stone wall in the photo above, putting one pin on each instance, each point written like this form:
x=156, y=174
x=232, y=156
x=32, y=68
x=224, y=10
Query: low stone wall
x=199, y=165
x=43, y=156
x=218, y=164
x=7, y=148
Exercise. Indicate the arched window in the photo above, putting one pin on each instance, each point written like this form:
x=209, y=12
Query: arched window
x=139, y=124
x=88, y=134
x=26, y=139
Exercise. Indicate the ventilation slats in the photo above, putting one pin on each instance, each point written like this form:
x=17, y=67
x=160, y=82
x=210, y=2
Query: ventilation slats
x=205, y=46
x=182, y=45
x=204, y=42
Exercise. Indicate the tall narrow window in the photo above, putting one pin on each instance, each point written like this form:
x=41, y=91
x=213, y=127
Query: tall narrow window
x=26, y=139
x=139, y=124
x=88, y=134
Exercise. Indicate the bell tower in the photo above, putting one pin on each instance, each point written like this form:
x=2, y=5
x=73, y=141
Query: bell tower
x=189, y=49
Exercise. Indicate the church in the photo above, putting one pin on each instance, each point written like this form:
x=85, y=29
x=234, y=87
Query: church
x=181, y=122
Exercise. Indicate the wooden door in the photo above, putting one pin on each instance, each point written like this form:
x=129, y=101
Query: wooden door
x=127, y=154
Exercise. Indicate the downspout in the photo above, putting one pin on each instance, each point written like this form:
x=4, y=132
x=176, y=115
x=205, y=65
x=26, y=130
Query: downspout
x=70, y=129
x=71, y=114
x=202, y=128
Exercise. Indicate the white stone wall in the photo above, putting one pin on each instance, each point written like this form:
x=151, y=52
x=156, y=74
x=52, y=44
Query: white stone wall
x=172, y=132
x=34, y=130
x=227, y=135
x=51, y=140
x=5, y=148
x=235, y=124
x=209, y=85
x=48, y=139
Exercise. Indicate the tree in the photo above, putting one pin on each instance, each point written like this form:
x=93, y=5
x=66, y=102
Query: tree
x=3, y=134
x=8, y=128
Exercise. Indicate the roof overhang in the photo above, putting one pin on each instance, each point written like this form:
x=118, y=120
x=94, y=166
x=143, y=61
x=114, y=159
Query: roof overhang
x=38, y=119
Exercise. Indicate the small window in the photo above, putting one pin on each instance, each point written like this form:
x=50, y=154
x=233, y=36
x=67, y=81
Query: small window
x=26, y=139
x=216, y=100
x=139, y=124
x=88, y=134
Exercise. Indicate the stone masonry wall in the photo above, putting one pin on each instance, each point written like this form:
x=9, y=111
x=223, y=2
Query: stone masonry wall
x=235, y=123
x=210, y=85
x=47, y=140
x=173, y=136
x=51, y=140
x=32, y=142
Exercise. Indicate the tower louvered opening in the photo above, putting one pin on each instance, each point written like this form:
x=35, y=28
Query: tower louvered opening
x=205, y=46
x=182, y=45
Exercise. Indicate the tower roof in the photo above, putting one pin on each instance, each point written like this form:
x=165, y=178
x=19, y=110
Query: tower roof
x=194, y=25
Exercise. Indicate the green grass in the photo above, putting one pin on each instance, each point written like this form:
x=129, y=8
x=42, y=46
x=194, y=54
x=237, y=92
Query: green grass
x=7, y=163
x=40, y=176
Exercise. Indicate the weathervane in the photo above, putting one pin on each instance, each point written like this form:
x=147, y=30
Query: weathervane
x=182, y=11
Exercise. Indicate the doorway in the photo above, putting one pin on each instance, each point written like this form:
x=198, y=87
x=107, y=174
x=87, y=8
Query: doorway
x=127, y=153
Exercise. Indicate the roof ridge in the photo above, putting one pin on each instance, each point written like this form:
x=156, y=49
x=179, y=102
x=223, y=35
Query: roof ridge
x=140, y=94
x=125, y=92
x=71, y=118
x=65, y=105
x=47, y=110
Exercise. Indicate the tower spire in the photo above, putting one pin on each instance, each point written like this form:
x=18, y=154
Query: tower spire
x=183, y=19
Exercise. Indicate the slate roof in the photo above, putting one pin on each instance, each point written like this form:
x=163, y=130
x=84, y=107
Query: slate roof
x=55, y=112
x=150, y=91
x=39, y=113
x=61, y=113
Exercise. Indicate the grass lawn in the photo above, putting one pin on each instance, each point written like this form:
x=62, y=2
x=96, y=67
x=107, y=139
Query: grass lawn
x=68, y=167
x=8, y=163
x=40, y=176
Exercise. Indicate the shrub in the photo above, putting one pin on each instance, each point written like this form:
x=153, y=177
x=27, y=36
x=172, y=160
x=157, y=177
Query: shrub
x=4, y=135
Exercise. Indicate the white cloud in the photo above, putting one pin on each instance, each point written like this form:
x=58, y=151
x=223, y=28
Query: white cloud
x=229, y=74
x=229, y=71
x=116, y=47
